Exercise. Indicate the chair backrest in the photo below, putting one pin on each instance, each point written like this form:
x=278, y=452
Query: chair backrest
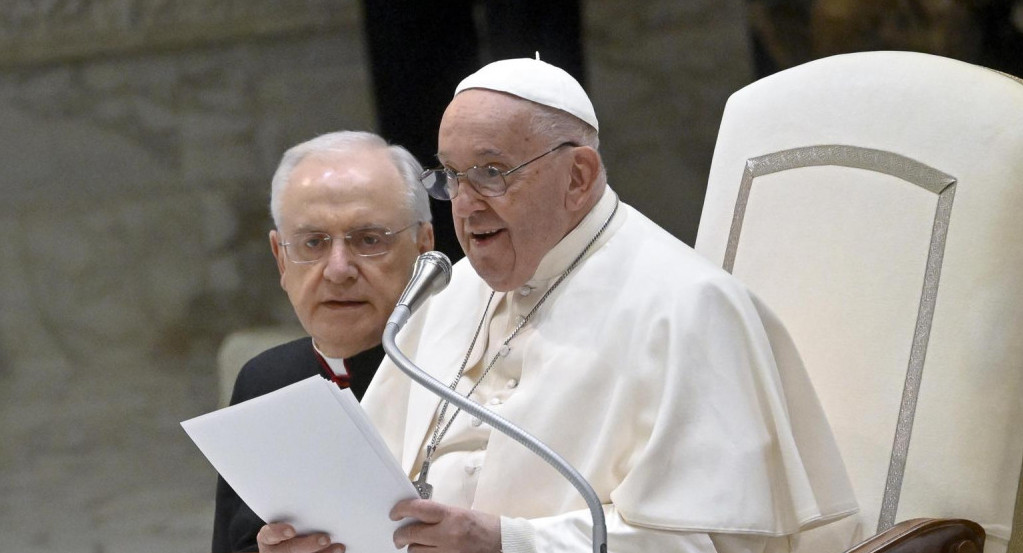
x=874, y=202
x=242, y=345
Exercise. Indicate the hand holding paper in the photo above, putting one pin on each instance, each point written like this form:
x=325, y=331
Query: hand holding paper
x=307, y=455
x=281, y=537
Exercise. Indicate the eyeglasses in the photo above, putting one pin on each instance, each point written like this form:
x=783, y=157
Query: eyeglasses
x=310, y=247
x=442, y=183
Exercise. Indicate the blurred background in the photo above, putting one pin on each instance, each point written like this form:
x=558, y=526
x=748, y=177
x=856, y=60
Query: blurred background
x=138, y=138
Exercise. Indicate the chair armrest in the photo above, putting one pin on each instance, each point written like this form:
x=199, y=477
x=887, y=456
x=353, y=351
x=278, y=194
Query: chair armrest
x=926, y=535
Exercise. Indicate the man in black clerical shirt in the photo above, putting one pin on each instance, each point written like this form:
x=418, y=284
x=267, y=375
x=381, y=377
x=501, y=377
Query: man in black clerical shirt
x=350, y=218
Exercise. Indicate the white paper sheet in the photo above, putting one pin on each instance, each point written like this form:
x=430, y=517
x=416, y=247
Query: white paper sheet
x=307, y=455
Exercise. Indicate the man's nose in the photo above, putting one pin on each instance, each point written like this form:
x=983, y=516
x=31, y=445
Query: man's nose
x=341, y=262
x=467, y=201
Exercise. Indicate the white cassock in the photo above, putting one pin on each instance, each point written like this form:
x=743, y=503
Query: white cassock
x=651, y=371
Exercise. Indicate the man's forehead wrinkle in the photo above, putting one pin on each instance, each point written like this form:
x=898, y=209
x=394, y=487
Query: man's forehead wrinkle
x=480, y=152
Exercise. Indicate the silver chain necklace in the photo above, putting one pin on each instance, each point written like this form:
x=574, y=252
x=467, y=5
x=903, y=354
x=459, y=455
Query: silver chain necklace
x=422, y=486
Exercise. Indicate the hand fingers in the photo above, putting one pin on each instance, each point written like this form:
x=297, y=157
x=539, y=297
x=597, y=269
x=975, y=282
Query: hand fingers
x=274, y=533
x=422, y=510
x=412, y=534
x=456, y=530
x=278, y=537
x=427, y=514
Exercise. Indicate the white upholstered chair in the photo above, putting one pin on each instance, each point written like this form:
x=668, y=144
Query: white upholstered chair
x=874, y=203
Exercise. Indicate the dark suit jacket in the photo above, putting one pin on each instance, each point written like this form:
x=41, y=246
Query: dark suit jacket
x=235, y=525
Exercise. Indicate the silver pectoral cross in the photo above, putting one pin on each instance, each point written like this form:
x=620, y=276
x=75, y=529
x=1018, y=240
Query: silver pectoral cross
x=422, y=486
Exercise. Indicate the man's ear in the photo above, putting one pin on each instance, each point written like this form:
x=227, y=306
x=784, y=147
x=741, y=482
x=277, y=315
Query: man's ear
x=424, y=238
x=584, y=172
x=278, y=251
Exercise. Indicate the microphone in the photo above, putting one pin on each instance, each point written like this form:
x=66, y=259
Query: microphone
x=432, y=273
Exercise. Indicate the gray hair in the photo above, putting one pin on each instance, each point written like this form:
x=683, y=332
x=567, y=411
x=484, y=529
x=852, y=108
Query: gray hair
x=560, y=126
x=349, y=141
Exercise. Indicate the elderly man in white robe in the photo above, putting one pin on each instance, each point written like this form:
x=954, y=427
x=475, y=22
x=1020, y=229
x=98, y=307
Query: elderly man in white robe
x=577, y=318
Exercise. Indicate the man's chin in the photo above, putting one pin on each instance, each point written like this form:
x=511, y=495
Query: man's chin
x=496, y=279
x=347, y=332
x=344, y=315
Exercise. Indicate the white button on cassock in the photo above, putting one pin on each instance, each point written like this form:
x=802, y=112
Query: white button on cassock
x=525, y=290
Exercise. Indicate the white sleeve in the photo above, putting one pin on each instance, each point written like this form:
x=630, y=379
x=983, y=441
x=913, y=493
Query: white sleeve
x=572, y=533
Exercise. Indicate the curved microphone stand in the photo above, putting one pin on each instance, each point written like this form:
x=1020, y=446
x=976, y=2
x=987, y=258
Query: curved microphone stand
x=421, y=285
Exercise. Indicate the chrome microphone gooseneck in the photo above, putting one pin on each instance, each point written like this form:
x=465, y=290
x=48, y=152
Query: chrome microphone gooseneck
x=430, y=267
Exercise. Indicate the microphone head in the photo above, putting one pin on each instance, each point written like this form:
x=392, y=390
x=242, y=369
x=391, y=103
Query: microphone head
x=431, y=273
x=438, y=260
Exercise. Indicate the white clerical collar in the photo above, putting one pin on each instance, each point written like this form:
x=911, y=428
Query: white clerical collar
x=336, y=364
x=564, y=252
